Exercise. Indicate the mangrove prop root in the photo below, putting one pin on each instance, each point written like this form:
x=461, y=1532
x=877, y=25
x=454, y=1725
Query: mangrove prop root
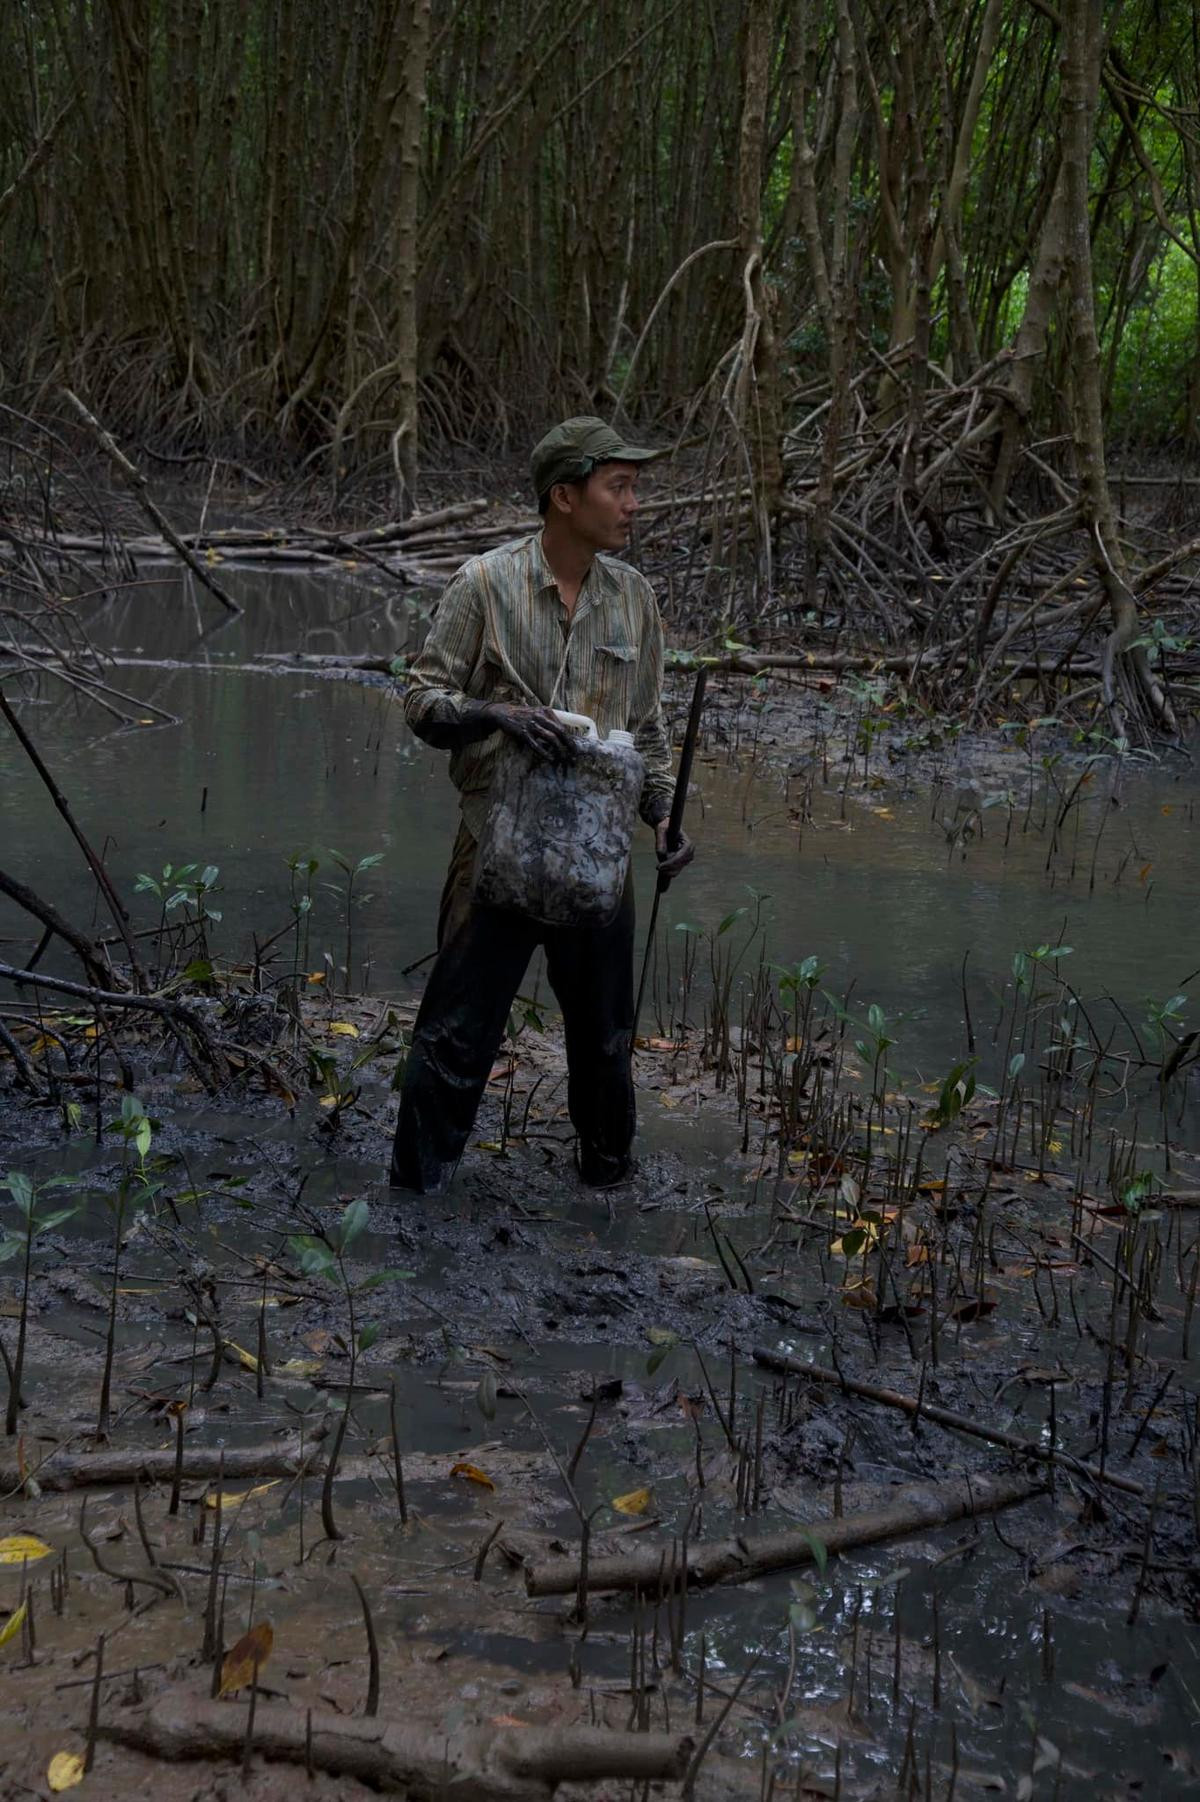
x=472, y=1765
x=943, y=1417
x=740, y=1559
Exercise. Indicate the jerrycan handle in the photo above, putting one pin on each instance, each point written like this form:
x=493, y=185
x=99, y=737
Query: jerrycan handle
x=579, y=722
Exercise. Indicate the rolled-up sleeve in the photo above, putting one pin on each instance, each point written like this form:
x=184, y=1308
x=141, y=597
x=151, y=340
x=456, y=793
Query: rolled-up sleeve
x=437, y=704
x=646, y=718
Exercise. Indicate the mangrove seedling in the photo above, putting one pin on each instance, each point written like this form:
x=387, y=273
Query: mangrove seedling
x=352, y=871
x=134, y=1188
x=302, y=905
x=323, y=1254
x=27, y=1197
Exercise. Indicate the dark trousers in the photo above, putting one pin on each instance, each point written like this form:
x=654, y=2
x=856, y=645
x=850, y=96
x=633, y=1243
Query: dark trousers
x=483, y=954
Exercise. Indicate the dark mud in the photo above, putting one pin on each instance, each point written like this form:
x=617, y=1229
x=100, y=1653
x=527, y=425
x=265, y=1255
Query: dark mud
x=983, y=1283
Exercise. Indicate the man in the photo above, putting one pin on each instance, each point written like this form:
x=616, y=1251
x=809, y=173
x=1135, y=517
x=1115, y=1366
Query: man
x=549, y=621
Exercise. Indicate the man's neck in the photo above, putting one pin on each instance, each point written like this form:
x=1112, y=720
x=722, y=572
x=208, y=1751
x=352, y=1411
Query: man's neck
x=568, y=560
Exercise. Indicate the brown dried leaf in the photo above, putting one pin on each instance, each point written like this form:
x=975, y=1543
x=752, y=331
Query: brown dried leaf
x=472, y=1473
x=247, y=1656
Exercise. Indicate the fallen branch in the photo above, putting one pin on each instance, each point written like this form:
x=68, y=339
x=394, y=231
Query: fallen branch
x=944, y=1417
x=137, y=480
x=177, y=1015
x=64, y=1469
x=473, y=1764
x=25, y=897
x=95, y=864
x=650, y=1568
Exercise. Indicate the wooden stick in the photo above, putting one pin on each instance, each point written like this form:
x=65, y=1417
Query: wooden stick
x=740, y=1559
x=115, y=905
x=943, y=1417
x=475, y=1763
x=137, y=480
x=76, y=1470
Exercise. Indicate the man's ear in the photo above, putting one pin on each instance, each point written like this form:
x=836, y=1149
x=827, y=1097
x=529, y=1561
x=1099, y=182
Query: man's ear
x=560, y=497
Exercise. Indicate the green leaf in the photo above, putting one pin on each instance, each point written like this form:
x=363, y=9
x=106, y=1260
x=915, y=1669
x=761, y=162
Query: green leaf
x=817, y=1547
x=485, y=1395
x=382, y=1276
x=368, y=1336
x=20, y=1188
x=353, y=1222
x=52, y=1220
x=315, y=1258
x=803, y=1610
x=9, y=1247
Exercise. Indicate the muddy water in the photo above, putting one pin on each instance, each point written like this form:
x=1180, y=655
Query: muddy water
x=888, y=885
x=264, y=766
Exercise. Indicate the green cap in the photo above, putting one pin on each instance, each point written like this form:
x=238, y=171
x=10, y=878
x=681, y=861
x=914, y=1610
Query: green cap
x=571, y=451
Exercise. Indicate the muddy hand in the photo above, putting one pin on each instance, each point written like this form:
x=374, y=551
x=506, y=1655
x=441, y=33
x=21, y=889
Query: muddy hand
x=535, y=727
x=671, y=862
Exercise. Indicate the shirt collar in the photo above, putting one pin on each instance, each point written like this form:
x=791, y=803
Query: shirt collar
x=543, y=575
x=598, y=576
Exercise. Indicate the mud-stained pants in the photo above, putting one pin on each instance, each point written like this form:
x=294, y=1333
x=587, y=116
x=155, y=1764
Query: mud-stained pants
x=483, y=953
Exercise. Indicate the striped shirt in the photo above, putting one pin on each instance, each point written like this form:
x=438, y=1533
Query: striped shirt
x=501, y=633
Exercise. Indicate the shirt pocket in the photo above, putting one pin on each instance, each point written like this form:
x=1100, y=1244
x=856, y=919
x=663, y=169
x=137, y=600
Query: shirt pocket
x=616, y=673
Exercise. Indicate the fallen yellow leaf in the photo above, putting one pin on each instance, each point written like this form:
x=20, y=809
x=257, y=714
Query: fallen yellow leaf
x=869, y=1231
x=232, y=1499
x=298, y=1367
x=21, y=1546
x=636, y=1502
x=246, y=1359
x=317, y=976
x=472, y=1473
x=65, y=1770
x=344, y=1029
x=247, y=1656
x=13, y=1624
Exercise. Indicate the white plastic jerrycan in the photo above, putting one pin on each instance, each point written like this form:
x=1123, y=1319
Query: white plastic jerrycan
x=556, y=842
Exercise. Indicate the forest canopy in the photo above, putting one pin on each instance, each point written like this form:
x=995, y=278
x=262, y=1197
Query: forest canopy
x=281, y=223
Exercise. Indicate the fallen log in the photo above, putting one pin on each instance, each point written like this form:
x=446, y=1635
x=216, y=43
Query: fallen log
x=519, y=1764
x=740, y=1559
x=944, y=1417
x=63, y=1469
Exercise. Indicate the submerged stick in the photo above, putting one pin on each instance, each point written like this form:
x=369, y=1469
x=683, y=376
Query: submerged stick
x=739, y=1559
x=943, y=1417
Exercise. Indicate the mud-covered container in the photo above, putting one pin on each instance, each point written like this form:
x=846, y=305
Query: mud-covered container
x=556, y=842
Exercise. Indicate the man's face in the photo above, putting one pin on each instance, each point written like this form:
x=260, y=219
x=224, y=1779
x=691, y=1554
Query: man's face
x=601, y=509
